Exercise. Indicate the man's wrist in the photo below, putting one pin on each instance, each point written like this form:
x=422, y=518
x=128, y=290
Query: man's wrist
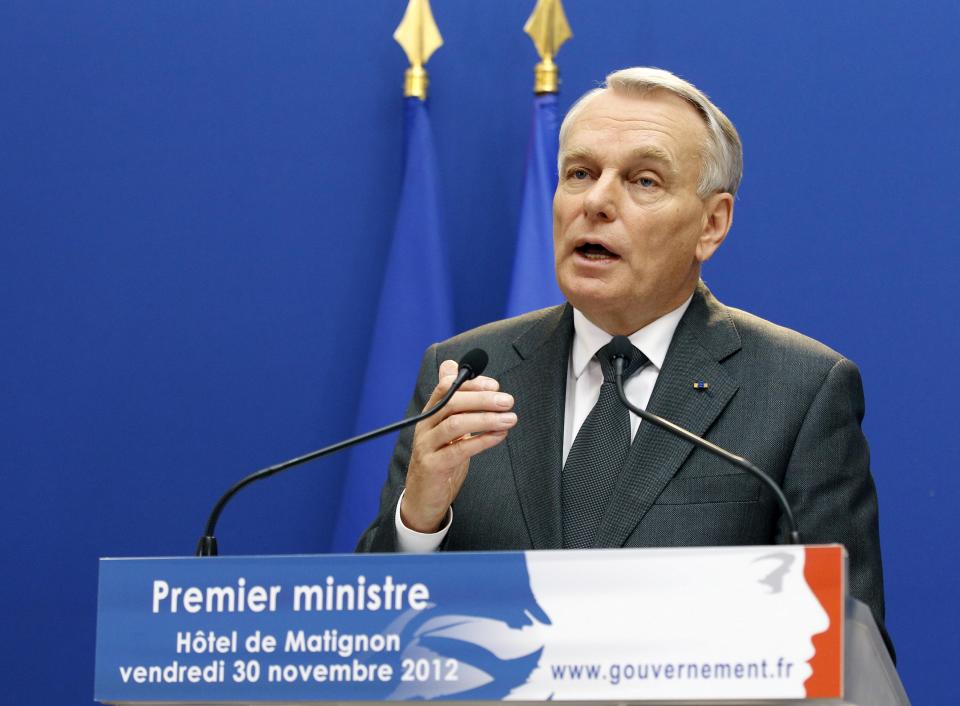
x=410, y=540
x=417, y=524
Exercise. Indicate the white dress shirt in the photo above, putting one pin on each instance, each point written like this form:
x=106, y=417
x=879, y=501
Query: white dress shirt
x=584, y=378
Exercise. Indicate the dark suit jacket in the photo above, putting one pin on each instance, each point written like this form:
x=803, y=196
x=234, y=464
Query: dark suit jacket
x=786, y=402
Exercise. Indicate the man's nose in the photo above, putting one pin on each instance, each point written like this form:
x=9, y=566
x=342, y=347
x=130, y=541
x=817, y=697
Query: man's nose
x=600, y=202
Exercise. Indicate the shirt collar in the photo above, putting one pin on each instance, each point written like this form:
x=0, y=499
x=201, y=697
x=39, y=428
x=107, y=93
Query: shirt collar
x=653, y=339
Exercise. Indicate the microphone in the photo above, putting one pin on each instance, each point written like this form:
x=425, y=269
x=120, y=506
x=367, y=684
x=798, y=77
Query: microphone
x=621, y=353
x=470, y=366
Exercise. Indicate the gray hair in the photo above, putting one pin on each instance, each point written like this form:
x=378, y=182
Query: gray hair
x=722, y=156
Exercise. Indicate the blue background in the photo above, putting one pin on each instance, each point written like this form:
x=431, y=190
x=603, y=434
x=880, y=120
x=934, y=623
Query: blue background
x=196, y=200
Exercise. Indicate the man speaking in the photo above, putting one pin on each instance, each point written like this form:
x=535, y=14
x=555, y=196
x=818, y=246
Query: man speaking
x=541, y=455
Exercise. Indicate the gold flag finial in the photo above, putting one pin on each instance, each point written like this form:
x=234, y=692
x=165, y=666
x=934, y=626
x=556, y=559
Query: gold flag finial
x=419, y=36
x=548, y=28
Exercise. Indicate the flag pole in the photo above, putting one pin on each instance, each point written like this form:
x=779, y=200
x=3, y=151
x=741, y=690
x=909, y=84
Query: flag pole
x=549, y=29
x=419, y=36
x=533, y=284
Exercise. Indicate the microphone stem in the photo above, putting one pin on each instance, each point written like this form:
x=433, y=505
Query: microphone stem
x=208, y=543
x=738, y=461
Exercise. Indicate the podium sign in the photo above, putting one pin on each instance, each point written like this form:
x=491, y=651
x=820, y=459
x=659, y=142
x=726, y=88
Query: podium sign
x=719, y=624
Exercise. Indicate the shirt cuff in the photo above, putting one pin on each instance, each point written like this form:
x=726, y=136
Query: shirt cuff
x=411, y=541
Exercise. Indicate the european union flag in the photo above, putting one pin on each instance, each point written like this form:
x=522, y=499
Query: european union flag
x=415, y=310
x=534, y=284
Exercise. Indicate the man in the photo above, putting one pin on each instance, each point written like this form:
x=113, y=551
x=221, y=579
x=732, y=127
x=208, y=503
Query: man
x=648, y=172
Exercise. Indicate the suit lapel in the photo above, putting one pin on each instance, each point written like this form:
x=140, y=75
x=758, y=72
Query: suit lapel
x=536, y=443
x=706, y=335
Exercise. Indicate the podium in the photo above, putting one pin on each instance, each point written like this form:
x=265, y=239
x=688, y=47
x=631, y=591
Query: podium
x=743, y=625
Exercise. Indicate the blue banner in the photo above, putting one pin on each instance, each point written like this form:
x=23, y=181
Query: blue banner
x=415, y=311
x=534, y=285
x=307, y=627
x=732, y=623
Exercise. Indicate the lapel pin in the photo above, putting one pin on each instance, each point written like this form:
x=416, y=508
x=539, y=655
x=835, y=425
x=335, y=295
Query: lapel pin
x=701, y=385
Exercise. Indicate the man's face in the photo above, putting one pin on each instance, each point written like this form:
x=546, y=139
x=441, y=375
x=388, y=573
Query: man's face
x=629, y=230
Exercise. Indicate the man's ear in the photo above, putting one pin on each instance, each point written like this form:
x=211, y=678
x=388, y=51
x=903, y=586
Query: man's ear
x=717, y=219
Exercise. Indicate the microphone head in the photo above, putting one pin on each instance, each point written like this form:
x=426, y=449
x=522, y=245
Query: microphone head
x=620, y=347
x=475, y=361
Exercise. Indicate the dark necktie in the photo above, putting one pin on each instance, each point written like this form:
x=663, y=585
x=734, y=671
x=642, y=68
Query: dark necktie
x=596, y=459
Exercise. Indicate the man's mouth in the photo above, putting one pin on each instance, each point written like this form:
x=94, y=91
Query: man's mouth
x=595, y=251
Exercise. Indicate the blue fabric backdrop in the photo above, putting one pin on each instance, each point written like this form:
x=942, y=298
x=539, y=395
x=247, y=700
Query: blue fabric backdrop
x=415, y=310
x=532, y=284
x=198, y=201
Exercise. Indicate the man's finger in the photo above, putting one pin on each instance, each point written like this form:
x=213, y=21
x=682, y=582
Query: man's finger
x=479, y=383
x=459, y=426
x=446, y=380
x=472, y=401
x=446, y=375
x=467, y=403
x=463, y=449
x=447, y=368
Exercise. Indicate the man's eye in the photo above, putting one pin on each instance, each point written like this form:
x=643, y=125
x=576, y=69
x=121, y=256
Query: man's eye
x=646, y=182
x=579, y=174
